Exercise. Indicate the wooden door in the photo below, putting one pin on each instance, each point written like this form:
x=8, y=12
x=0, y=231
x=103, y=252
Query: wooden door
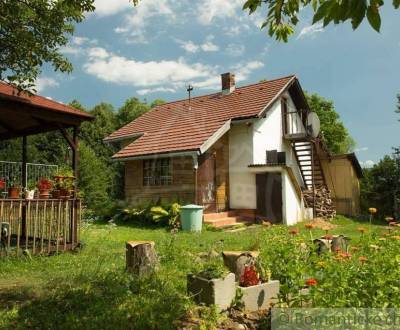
x=207, y=183
x=269, y=196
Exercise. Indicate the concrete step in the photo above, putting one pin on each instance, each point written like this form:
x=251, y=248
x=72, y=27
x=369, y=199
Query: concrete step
x=219, y=215
x=227, y=221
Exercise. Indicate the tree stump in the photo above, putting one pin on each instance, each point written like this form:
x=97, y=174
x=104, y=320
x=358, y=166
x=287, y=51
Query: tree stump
x=141, y=257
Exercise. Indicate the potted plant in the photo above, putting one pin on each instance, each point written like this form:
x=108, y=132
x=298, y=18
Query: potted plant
x=213, y=285
x=257, y=290
x=2, y=184
x=14, y=190
x=44, y=186
x=64, y=183
x=30, y=190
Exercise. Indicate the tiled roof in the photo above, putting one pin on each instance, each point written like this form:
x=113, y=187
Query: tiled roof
x=178, y=126
x=9, y=92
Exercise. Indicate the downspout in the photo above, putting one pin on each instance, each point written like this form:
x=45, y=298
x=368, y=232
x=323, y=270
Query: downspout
x=195, y=167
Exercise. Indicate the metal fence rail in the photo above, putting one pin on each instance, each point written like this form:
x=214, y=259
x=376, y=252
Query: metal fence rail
x=11, y=172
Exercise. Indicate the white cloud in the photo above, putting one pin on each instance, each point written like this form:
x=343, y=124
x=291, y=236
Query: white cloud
x=206, y=46
x=243, y=71
x=155, y=90
x=310, y=31
x=367, y=163
x=137, y=20
x=235, y=50
x=79, y=41
x=210, y=10
x=118, y=69
x=43, y=83
x=361, y=149
x=111, y=7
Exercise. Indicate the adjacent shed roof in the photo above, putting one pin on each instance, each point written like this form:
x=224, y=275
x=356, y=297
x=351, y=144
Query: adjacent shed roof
x=182, y=126
x=24, y=114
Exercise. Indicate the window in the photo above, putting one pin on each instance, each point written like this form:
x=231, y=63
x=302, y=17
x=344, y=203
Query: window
x=157, y=172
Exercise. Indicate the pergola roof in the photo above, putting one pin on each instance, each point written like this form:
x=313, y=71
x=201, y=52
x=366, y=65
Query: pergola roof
x=22, y=114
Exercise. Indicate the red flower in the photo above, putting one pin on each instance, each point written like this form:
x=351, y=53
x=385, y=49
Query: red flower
x=311, y=282
x=328, y=237
x=293, y=231
x=309, y=226
x=250, y=276
x=362, y=259
x=44, y=184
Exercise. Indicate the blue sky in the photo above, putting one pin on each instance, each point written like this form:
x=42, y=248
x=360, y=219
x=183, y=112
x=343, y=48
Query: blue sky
x=156, y=49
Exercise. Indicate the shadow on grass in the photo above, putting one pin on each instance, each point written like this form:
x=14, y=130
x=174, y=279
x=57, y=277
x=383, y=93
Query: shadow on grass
x=112, y=301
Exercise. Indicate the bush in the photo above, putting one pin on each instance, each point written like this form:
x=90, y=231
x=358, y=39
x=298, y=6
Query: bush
x=165, y=215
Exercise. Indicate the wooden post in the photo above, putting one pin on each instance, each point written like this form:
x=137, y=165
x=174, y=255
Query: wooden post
x=24, y=184
x=312, y=177
x=141, y=257
x=74, y=206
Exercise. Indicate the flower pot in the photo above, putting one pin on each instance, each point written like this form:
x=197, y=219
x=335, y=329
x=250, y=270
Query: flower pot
x=13, y=192
x=2, y=184
x=30, y=194
x=55, y=194
x=44, y=194
x=260, y=296
x=64, y=194
x=219, y=292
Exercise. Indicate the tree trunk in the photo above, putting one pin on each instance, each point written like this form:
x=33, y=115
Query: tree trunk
x=141, y=257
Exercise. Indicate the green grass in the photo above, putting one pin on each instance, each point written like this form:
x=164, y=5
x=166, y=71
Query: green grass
x=91, y=290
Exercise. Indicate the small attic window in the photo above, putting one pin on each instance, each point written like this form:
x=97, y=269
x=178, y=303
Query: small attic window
x=157, y=172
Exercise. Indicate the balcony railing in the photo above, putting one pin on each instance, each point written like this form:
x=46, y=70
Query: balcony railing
x=293, y=125
x=40, y=226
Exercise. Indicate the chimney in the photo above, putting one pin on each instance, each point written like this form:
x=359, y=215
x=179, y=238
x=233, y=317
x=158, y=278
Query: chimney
x=228, y=83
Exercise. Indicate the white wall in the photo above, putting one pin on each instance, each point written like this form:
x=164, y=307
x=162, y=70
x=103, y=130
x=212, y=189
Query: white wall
x=248, y=143
x=242, y=183
x=292, y=204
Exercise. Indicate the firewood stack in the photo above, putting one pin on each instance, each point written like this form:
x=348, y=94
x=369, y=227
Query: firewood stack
x=324, y=207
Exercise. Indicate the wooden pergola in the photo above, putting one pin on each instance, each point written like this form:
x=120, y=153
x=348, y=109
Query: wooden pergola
x=22, y=115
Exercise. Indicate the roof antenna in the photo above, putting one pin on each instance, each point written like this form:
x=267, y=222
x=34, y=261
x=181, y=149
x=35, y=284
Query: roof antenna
x=189, y=90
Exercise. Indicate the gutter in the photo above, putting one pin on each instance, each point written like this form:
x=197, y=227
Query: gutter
x=194, y=154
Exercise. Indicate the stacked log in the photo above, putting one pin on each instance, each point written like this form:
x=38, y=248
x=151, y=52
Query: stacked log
x=324, y=206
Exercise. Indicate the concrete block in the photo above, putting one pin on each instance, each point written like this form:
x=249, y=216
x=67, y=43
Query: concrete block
x=219, y=292
x=260, y=296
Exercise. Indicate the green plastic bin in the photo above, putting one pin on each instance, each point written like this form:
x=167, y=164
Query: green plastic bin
x=191, y=217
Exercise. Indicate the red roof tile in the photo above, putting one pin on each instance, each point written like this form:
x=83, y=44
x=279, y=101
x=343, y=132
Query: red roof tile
x=174, y=127
x=10, y=92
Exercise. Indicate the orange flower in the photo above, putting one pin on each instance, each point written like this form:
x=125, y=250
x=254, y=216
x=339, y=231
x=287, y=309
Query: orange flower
x=328, y=237
x=347, y=255
x=354, y=248
x=372, y=210
x=311, y=282
x=308, y=226
x=362, y=259
x=396, y=237
x=293, y=231
x=339, y=257
x=392, y=223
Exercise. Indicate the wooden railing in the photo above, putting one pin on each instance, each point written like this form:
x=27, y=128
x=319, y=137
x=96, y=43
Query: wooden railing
x=39, y=226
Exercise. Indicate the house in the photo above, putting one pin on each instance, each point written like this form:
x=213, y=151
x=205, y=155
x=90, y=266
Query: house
x=243, y=151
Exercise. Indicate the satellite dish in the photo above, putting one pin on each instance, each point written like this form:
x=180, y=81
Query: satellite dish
x=313, y=124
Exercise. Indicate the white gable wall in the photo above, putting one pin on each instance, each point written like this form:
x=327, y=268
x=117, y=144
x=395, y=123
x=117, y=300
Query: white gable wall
x=248, y=143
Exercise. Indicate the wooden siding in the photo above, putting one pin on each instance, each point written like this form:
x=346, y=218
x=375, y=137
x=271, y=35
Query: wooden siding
x=342, y=180
x=183, y=180
x=181, y=190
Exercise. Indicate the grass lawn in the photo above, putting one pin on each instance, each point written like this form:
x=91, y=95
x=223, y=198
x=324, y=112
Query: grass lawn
x=90, y=289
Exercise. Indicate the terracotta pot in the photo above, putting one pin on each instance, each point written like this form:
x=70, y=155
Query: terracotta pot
x=44, y=194
x=2, y=184
x=13, y=192
x=64, y=194
x=56, y=194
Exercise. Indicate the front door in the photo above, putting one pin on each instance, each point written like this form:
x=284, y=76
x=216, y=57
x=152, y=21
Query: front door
x=207, y=183
x=269, y=196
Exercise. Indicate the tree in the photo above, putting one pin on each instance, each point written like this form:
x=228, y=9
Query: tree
x=283, y=15
x=31, y=34
x=336, y=136
x=131, y=110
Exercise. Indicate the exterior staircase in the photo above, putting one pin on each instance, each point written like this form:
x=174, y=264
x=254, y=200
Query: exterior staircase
x=308, y=159
x=227, y=219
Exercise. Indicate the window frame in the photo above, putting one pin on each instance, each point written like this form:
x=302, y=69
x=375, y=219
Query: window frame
x=157, y=172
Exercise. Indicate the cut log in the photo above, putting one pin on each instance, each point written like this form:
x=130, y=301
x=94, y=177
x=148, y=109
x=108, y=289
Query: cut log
x=141, y=257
